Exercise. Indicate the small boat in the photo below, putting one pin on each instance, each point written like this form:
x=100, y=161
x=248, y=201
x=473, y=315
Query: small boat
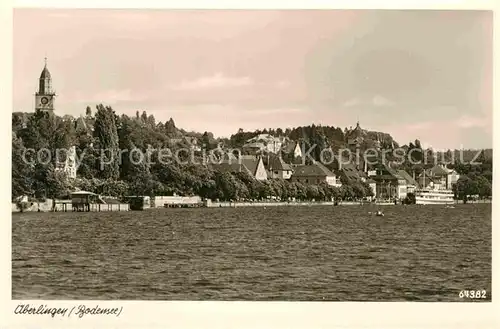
x=379, y=213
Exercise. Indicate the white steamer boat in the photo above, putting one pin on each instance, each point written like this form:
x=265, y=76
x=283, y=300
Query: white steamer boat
x=434, y=196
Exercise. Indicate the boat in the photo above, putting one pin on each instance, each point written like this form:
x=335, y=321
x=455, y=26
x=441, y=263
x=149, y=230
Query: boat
x=434, y=196
x=379, y=213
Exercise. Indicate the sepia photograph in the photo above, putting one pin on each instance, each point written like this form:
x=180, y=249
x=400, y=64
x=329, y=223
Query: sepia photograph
x=252, y=155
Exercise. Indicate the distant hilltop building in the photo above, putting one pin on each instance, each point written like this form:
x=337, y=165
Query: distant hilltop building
x=45, y=96
x=264, y=143
x=356, y=136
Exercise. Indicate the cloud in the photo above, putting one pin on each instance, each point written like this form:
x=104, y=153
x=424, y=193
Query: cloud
x=466, y=121
x=216, y=81
x=111, y=96
x=352, y=102
x=380, y=101
x=377, y=101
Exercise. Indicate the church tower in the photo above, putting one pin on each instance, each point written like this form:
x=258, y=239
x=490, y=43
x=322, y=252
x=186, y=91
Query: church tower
x=44, y=97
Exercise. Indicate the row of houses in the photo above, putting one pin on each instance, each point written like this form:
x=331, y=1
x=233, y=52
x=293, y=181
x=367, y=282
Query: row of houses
x=385, y=182
x=393, y=183
x=274, y=167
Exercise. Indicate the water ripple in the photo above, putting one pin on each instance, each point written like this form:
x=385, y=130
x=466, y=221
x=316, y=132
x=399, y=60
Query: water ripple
x=314, y=253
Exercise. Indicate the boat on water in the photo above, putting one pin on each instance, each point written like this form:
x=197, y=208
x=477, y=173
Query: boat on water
x=434, y=196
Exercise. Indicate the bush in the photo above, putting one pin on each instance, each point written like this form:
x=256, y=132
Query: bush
x=22, y=205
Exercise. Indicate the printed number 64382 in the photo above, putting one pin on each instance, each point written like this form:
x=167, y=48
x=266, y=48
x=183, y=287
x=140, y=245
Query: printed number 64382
x=475, y=294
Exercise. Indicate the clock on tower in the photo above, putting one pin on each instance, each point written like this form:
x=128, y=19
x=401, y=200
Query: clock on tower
x=44, y=98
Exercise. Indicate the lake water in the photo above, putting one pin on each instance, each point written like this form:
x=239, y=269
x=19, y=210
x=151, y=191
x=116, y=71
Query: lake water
x=414, y=253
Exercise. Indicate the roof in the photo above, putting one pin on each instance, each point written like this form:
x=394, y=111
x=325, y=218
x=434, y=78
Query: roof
x=315, y=170
x=250, y=162
x=45, y=73
x=254, y=145
x=406, y=176
x=231, y=163
x=356, y=132
x=388, y=173
x=82, y=193
x=290, y=147
x=276, y=163
x=260, y=137
x=425, y=183
x=351, y=172
x=437, y=170
x=231, y=167
x=80, y=124
x=393, y=172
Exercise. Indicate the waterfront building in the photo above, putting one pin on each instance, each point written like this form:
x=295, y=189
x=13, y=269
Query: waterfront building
x=411, y=183
x=389, y=184
x=277, y=167
x=69, y=164
x=315, y=173
x=253, y=165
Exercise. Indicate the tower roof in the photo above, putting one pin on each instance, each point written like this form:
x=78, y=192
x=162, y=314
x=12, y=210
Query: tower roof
x=45, y=72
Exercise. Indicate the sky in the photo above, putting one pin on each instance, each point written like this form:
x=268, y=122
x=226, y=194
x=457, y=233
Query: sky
x=423, y=75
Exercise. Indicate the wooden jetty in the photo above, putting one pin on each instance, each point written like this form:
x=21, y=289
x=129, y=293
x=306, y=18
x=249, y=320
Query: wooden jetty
x=87, y=202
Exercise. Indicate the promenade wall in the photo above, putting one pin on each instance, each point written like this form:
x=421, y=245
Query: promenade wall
x=161, y=201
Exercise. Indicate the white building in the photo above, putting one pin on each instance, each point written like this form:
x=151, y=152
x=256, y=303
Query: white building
x=69, y=164
x=265, y=142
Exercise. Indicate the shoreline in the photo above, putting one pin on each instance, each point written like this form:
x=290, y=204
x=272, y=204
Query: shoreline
x=282, y=204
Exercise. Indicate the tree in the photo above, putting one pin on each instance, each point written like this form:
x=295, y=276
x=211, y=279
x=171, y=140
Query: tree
x=170, y=129
x=368, y=190
x=106, y=136
x=266, y=190
x=151, y=121
x=312, y=192
x=253, y=185
x=227, y=186
x=21, y=170
x=144, y=117
x=483, y=187
x=465, y=187
x=49, y=182
x=88, y=112
x=301, y=191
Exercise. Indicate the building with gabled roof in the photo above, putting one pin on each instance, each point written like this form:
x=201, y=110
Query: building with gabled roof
x=411, y=184
x=243, y=163
x=277, y=167
x=438, y=177
x=315, y=173
x=389, y=183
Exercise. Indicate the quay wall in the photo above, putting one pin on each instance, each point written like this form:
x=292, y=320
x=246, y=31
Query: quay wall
x=35, y=206
x=213, y=204
x=161, y=201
